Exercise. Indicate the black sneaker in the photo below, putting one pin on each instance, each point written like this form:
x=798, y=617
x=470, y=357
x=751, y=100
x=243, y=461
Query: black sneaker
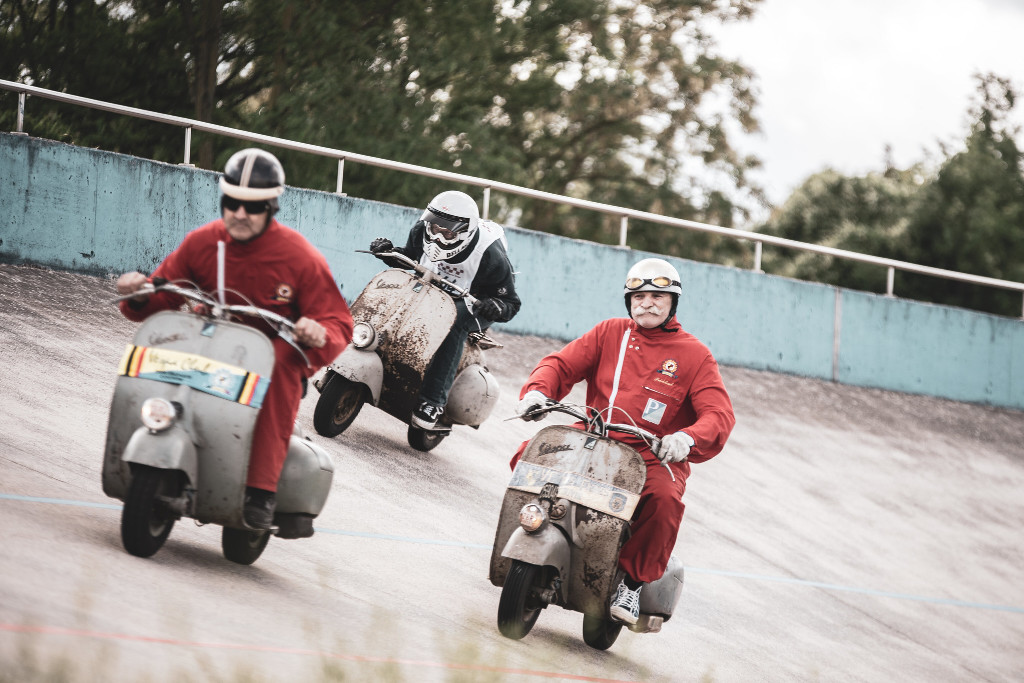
x=426, y=414
x=259, y=508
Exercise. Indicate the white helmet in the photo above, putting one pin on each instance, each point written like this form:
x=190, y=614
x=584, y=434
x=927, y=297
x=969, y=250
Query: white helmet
x=653, y=275
x=450, y=223
x=253, y=175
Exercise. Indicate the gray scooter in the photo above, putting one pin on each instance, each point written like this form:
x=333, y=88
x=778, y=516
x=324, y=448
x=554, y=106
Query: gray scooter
x=563, y=520
x=188, y=392
x=401, y=318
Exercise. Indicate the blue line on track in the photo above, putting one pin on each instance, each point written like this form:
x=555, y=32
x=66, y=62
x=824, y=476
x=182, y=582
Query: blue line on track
x=695, y=570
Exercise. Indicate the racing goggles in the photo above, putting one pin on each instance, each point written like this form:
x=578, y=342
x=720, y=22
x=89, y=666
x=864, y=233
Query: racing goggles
x=444, y=226
x=251, y=208
x=635, y=283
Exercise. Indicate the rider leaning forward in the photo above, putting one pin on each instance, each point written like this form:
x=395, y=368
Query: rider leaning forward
x=665, y=381
x=271, y=266
x=453, y=242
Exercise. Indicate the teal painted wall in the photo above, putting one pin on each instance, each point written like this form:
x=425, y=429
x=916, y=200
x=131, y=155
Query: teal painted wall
x=103, y=213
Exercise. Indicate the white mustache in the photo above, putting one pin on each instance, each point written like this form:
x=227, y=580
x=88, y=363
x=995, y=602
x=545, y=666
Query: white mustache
x=641, y=310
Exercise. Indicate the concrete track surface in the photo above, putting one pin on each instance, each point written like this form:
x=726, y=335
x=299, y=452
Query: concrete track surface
x=844, y=534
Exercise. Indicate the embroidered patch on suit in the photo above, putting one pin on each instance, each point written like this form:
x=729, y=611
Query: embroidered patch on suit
x=669, y=368
x=653, y=411
x=283, y=293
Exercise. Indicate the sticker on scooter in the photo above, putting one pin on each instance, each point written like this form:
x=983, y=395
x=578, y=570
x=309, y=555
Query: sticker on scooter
x=195, y=371
x=603, y=497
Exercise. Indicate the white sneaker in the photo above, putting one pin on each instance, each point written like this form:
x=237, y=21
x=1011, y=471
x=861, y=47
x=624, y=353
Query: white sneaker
x=626, y=604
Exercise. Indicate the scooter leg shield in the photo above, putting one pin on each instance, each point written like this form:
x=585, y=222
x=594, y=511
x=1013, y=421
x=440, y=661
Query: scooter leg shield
x=169, y=450
x=546, y=547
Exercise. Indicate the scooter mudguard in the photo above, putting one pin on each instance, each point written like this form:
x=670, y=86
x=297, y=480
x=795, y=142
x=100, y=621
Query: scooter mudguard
x=546, y=547
x=169, y=450
x=660, y=597
x=364, y=367
x=472, y=397
x=305, y=479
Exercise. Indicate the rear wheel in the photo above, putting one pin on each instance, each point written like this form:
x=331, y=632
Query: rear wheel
x=146, y=519
x=339, y=404
x=600, y=632
x=519, y=606
x=243, y=546
x=424, y=440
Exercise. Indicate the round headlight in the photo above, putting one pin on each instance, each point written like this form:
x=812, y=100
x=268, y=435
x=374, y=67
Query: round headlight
x=532, y=517
x=363, y=335
x=158, y=414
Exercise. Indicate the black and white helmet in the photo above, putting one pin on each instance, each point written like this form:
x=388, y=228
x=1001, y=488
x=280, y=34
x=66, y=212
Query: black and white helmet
x=253, y=175
x=450, y=222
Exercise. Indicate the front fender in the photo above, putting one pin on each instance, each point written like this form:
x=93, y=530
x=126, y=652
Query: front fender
x=547, y=547
x=364, y=367
x=169, y=450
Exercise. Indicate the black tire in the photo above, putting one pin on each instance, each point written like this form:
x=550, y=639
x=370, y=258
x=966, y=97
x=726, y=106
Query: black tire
x=243, y=546
x=146, y=521
x=518, y=607
x=600, y=632
x=424, y=440
x=338, y=405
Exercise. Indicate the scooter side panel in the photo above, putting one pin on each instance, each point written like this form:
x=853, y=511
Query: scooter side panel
x=472, y=397
x=661, y=597
x=305, y=478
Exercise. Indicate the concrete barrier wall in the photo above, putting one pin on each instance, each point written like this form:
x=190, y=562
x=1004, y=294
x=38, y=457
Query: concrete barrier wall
x=97, y=212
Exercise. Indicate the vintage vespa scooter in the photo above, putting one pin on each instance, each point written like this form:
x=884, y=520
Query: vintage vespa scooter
x=401, y=318
x=188, y=391
x=563, y=521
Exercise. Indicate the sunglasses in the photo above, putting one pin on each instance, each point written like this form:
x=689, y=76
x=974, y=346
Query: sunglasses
x=660, y=281
x=251, y=208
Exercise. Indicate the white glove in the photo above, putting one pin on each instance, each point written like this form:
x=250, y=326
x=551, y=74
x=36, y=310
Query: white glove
x=533, y=399
x=675, y=447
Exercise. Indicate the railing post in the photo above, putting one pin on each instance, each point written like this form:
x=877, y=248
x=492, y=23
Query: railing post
x=21, y=114
x=487, y=203
x=758, y=247
x=622, y=231
x=889, y=280
x=188, y=146
x=341, y=176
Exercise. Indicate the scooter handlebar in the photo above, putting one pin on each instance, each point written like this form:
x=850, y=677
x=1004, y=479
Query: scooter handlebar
x=423, y=272
x=602, y=427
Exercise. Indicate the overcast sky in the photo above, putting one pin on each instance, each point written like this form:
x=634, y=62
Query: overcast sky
x=840, y=79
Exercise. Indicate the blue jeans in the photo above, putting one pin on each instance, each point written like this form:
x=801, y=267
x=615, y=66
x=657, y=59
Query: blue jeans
x=440, y=374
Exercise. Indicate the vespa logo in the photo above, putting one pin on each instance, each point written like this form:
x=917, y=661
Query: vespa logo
x=547, y=448
x=388, y=285
x=160, y=341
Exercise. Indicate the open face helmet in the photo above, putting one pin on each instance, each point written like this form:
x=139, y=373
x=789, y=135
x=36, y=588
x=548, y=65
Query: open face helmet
x=450, y=222
x=653, y=275
x=253, y=175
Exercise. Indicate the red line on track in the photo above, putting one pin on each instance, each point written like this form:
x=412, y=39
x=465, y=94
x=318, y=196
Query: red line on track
x=57, y=630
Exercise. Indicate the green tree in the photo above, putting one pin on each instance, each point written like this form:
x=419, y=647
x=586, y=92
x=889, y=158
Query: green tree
x=966, y=216
x=970, y=218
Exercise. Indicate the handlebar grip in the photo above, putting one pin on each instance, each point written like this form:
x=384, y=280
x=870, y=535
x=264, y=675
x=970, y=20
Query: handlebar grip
x=157, y=281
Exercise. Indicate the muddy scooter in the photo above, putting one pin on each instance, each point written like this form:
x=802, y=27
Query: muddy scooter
x=401, y=318
x=563, y=520
x=188, y=391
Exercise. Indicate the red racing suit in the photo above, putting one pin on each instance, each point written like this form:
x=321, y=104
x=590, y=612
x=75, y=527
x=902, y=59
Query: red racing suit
x=282, y=272
x=666, y=381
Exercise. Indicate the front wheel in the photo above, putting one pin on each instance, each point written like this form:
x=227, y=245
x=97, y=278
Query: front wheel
x=146, y=519
x=243, y=546
x=338, y=405
x=518, y=607
x=600, y=633
x=424, y=440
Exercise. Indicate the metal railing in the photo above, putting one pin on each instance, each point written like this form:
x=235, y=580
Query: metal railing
x=487, y=185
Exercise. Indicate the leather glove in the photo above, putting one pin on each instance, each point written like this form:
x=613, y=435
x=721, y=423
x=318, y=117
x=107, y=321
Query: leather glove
x=675, y=447
x=380, y=245
x=531, y=400
x=490, y=309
